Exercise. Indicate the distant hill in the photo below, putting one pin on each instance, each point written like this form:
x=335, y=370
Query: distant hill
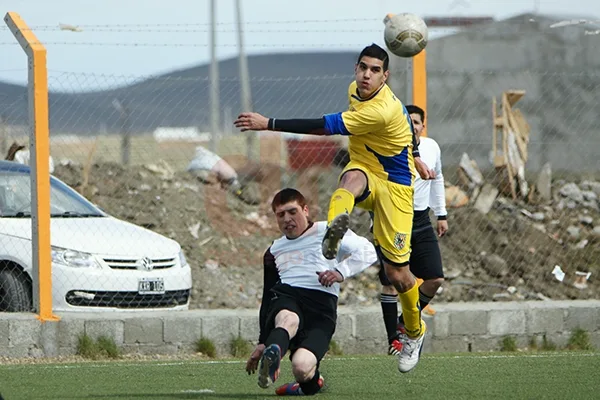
x=300, y=85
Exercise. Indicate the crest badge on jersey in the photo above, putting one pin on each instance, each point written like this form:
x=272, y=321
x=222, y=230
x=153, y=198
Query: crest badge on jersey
x=400, y=240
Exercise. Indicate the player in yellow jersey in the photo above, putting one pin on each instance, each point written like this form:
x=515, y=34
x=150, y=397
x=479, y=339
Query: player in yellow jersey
x=378, y=178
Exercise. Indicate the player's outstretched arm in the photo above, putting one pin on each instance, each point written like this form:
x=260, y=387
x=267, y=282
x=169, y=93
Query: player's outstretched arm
x=258, y=122
x=342, y=123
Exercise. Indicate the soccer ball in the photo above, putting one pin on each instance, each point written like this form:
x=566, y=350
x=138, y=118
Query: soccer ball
x=405, y=34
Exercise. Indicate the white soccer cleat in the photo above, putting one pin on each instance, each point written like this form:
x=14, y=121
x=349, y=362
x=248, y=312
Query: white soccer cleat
x=333, y=236
x=411, y=351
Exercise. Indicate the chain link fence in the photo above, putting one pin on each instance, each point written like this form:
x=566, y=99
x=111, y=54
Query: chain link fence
x=146, y=177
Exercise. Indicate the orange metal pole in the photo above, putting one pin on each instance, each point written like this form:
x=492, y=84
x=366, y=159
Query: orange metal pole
x=419, y=92
x=40, y=150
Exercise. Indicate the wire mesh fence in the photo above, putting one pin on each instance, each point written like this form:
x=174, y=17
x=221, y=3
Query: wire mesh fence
x=504, y=241
x=522, y=182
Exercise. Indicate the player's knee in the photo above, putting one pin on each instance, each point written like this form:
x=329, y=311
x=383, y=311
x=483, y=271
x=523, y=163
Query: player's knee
x=354, y=181
x=406, y=282
x=304, y=365
x=401, y=278
x=435, y=284
x=287, y=320
x=389, y=289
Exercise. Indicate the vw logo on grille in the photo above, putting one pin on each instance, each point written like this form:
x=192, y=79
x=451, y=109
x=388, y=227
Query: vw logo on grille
x=145, y=264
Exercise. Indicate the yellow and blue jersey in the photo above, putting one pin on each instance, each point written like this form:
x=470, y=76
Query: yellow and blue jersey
x=380, y=134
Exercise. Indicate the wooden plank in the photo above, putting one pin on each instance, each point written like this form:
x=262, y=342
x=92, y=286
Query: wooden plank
x=524, y=128
x=514, y=126
x=498, y=123
x=505, y=146
x=495, y=128
x=499, y=161
x=514, y=95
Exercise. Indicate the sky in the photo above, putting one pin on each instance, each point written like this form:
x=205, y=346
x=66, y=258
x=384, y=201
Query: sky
x=140, y=38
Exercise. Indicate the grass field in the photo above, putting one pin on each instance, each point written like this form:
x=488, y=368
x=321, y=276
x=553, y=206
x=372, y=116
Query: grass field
x=499, y=376
x=146, y=150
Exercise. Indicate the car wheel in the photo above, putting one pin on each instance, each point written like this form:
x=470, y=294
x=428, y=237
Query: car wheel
x=15, y=291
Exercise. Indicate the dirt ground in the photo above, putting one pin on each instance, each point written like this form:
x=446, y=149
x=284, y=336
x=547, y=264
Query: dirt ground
x=502, y=255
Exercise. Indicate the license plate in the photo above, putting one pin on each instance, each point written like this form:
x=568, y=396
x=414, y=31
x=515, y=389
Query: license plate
x=151, y=286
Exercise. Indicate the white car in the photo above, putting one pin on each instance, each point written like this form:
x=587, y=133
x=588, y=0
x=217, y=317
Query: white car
x=99, y=263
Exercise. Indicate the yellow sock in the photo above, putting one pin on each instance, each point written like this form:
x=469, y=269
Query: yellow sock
x=342, y=201
x=411, y=312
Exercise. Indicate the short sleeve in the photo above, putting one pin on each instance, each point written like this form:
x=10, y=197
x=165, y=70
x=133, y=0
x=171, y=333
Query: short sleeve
x=363, y=121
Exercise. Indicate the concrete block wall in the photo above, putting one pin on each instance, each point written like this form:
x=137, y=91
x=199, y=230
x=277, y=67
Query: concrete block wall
x=456, y=327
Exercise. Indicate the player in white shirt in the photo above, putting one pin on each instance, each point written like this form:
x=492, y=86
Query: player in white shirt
x=425, y=257
x=300, y=295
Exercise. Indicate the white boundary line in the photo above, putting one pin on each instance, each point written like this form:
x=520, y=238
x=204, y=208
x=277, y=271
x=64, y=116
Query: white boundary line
x=151, y=363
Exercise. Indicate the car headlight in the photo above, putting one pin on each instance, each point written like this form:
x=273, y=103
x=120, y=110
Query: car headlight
x=73, y=258
x=182, y=261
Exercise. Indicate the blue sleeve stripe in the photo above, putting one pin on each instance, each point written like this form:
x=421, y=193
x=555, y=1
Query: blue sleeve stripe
x=334, y=124
x=408, y=118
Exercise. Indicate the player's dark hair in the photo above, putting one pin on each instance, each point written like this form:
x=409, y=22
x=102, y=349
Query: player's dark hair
x=412, y=109
x=375, y=52
x=288, y=195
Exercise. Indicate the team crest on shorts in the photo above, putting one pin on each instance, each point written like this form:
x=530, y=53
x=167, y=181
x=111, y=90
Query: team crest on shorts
x=400, y=240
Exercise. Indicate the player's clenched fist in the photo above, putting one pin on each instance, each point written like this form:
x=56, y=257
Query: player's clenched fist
x=329, y=277
x=424, y=172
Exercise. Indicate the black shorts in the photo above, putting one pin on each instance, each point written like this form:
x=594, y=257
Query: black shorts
x=425, y=256
x=317, y=311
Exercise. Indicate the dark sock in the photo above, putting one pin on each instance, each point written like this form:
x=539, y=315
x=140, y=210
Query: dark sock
x=311, y=387
x=424, y=300
x=389, y=307
x=280, y=337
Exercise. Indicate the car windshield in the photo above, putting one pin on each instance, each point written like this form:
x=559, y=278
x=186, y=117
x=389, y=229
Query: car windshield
x=15, y=198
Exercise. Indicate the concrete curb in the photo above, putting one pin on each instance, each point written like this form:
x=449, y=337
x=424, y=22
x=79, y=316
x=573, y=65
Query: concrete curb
x=456, y=327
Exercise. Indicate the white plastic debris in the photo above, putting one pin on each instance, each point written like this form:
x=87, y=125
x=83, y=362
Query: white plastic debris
x=558, y=273
x=194, y=230
x=211, y=265
x=262, y=221
x=581, y=279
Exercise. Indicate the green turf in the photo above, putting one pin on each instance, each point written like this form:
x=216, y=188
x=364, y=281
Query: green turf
x=501, y=376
